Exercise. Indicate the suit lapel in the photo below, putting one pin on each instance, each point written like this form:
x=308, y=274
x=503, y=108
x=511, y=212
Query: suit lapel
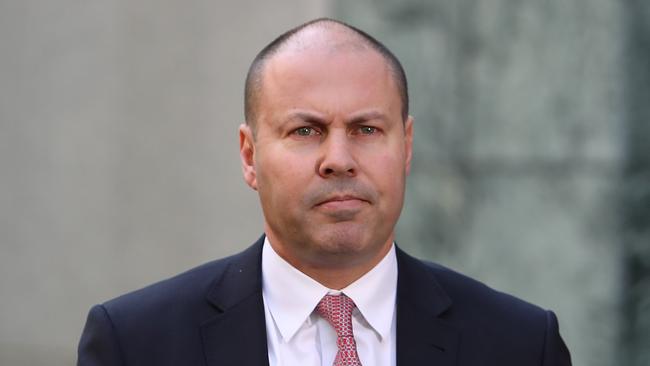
x=236, y=336
x=423, y=337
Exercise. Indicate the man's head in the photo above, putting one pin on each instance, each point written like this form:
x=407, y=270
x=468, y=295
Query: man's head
x=357, y=38
x=328, y=150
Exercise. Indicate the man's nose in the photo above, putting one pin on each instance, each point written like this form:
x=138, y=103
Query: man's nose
x=337, y=157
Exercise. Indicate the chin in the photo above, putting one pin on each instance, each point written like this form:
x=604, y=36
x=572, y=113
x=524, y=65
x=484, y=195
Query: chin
x=343, y=242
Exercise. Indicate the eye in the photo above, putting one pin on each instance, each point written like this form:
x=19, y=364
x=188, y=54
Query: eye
x=367, y=130
x=306, y=131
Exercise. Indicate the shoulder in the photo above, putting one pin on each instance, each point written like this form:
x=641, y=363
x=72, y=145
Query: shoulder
x=186, y=285
x=185, y=292
x=463, y=288
x=494, y=325
x=475, y=297
x=469, y=301
x=159, y=324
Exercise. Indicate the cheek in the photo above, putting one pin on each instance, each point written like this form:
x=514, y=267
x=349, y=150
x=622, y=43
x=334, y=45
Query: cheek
x=284, y=174
x=389, y=177
x=390, y=166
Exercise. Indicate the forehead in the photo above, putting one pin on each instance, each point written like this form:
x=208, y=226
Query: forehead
x=335, y=75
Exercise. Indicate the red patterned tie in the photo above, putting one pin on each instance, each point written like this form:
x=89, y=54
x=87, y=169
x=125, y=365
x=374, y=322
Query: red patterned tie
x=337, y=310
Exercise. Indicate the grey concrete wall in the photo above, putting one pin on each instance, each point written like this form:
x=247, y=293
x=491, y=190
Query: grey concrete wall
x=635, y=185
x=523, y=133
x=118, y=152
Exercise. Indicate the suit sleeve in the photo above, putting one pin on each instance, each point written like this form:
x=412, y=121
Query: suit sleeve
x=98, y=345
x=556, y=352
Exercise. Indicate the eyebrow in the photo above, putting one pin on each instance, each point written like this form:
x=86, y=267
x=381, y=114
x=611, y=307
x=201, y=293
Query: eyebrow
x=318, y=118
x=367, y=115
x=307, y=116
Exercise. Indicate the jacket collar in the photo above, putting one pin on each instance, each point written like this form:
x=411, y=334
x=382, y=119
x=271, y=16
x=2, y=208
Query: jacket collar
x=423, y=336
x=236, y=336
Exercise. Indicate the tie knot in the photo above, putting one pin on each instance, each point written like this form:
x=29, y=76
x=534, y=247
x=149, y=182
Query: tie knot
x=337, y=310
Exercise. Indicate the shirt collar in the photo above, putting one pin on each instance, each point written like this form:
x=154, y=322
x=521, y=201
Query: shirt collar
x=374, y=293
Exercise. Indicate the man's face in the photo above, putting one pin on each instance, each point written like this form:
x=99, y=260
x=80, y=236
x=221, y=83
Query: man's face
x=329, y=157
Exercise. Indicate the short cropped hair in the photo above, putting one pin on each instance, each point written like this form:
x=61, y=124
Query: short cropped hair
x=253, y=85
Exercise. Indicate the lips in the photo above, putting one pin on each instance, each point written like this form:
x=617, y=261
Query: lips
x=341, y=204
x=340, y=198
x=340, y=195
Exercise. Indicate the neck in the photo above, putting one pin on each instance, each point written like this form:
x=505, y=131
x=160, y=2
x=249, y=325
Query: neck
x=335, y=279
x=334, y=271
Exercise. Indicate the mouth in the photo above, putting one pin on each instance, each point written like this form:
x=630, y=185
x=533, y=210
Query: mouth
x=342, y=203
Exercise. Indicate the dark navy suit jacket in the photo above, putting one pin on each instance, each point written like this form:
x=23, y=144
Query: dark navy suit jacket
x=213, y=315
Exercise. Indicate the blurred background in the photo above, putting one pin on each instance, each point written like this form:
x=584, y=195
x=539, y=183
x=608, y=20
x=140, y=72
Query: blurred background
x=119, y=161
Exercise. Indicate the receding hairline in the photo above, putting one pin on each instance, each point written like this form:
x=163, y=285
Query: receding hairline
x=292, y=40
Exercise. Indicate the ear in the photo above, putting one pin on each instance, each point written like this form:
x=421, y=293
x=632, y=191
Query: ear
x=247, y=155
x=408, y=143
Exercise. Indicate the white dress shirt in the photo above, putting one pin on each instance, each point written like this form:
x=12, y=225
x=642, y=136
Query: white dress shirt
x=297, y=336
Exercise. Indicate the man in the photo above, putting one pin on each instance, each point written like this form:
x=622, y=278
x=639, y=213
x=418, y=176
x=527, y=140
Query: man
x=327, y=145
